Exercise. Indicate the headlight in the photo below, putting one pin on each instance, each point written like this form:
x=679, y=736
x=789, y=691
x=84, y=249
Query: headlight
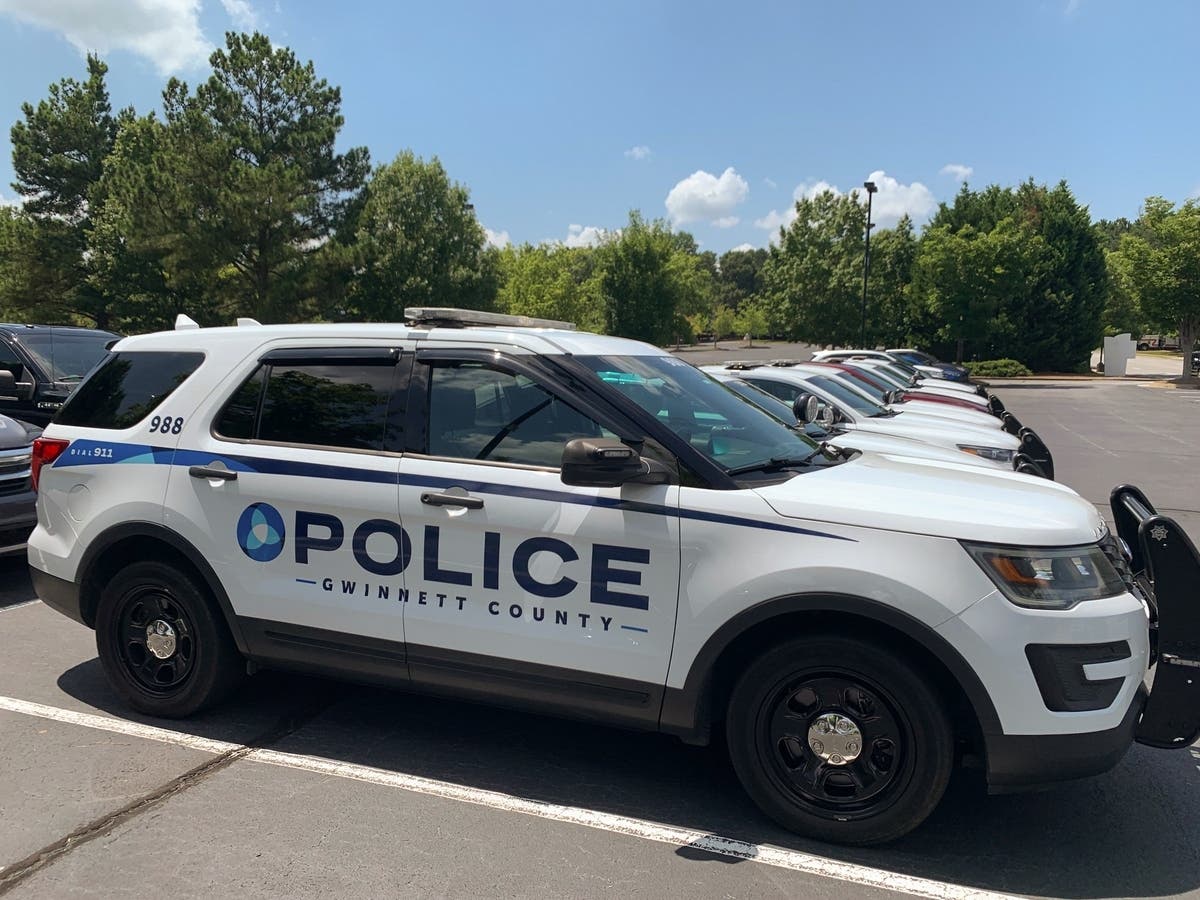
x=1049, y=579
x=993, y=453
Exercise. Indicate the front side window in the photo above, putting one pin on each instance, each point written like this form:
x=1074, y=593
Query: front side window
x=478, y=412
x=336, y=405
x=126, y=388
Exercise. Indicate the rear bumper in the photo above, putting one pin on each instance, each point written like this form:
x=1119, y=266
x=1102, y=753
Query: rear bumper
x=1018, y=762
x=58, y=594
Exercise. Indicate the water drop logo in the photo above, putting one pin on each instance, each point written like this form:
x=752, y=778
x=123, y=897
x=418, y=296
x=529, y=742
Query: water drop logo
x=260, y=532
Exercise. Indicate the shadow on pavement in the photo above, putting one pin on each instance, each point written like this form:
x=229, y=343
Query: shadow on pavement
x=1131, y=832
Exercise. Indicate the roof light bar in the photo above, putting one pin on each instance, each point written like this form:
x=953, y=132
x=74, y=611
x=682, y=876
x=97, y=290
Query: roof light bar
x=449, y=316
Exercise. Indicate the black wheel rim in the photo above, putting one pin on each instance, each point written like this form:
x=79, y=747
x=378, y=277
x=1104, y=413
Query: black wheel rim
x=853, y=788
x=143, y=650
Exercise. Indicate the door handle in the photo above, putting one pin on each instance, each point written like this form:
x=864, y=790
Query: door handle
x=211, y=472
x=452, y=500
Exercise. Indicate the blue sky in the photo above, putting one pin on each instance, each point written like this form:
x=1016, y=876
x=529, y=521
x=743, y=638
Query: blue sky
x=561, y=118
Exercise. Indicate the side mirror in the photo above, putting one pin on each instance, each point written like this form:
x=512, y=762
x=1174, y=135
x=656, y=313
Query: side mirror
x=602, y=462
x=8, y=385
x=825, y=415
x=805, y=407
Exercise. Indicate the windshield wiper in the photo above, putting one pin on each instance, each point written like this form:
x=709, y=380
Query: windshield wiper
x=777, y=462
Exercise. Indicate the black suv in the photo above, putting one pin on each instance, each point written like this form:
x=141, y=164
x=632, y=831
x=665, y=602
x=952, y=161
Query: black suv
x=41, y=364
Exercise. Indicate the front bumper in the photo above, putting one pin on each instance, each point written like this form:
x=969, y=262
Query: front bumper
x=1165, y=566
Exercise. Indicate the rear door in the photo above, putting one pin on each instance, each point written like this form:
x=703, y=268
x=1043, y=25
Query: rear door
x=288, y=488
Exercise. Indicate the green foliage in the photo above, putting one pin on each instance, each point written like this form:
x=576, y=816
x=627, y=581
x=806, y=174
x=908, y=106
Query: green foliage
x=649, y=282
x=235, y=195
x=1159, y=263
x=751, y=320
x=418, y=244
x=813, y=278
x=738, y=277
x=550, y=281
x=891, y=314
x=998, y=368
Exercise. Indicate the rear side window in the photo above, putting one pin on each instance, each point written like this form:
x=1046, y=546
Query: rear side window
x=126, y=387
x=337, y=405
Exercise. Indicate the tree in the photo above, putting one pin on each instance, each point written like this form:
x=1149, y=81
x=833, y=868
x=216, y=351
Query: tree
x=891, y=317
x=59, y=150
x=738, y=276
x=550, y=281
x=649, y=281
x=812, y=280
x=1159, y=261
x=418, y=243
x=238, y=191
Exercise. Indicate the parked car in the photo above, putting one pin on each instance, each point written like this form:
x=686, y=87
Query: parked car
x=913, y=357
x=18, y=501
x=1158, y=342
x=41, y=364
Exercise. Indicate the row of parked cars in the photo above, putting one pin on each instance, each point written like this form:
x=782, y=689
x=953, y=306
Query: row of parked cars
x=879, y=401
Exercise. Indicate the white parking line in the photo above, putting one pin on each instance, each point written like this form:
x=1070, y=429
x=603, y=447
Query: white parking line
x=19, y=605
x=617, y=824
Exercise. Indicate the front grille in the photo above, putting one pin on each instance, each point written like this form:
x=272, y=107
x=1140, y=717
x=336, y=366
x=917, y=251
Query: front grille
x=10, y=486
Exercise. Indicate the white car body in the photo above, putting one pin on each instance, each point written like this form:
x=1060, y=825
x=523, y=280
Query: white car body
x=954, y=390
x=919, y=401
x=501, y=581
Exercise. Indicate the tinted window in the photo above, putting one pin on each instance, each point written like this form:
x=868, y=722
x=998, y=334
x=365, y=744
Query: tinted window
x=126, y=388
x=477, y=412
x=327, y=406
x=66, y=356
x=238, y=418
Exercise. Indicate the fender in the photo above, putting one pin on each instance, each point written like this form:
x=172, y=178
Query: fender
x=107, y=539
x=686, y=712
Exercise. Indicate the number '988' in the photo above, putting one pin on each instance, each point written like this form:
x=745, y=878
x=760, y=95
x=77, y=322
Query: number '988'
x=166, y=424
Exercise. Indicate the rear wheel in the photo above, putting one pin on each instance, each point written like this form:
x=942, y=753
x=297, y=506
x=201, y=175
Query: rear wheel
x=165, y=649
x=840, y=739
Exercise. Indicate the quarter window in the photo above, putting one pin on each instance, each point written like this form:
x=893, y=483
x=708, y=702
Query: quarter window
x=127, y=387
x=478, y=412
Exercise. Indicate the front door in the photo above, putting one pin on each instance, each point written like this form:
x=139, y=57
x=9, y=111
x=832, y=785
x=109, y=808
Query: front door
x=522, y=586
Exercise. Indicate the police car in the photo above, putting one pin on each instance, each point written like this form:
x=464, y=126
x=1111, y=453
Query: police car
x=509, y=510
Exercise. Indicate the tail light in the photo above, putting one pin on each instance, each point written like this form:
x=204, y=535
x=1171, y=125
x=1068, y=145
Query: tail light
x=45, y=452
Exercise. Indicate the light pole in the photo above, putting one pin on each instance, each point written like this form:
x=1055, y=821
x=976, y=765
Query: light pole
x=862, y=336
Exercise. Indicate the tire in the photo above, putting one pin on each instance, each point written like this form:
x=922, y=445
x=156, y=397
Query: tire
x=905, y=742
x=188, y=663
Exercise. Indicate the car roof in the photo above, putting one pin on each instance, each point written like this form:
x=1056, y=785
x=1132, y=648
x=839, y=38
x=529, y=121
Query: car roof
x=20, y=330
x=547, y=341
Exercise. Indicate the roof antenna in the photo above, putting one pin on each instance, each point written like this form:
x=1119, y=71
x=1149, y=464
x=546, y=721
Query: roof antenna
x=185, y=323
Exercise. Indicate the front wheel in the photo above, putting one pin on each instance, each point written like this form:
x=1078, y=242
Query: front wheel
x=163, y=645
x=840, y=739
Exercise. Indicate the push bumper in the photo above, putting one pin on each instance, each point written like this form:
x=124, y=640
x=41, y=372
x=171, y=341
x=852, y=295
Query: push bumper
x=1165, y=565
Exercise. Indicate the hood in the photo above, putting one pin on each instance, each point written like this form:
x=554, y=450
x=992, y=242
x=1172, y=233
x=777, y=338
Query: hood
x=898, y=446
x=979, y=417
x=920, y=427
x=952, y=501
x=15, y=434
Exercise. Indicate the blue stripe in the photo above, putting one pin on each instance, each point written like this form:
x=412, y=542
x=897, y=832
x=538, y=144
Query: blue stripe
x=145, y=454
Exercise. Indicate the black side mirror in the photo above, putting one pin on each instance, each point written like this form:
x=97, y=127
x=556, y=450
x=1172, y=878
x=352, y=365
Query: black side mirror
x=8, y=385
x=805, y=407
x=602, y=462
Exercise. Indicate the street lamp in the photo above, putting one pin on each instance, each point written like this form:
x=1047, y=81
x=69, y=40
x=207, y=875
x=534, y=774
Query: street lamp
x=862, y=337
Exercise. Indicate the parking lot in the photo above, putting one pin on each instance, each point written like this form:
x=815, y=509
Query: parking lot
x=304, y=787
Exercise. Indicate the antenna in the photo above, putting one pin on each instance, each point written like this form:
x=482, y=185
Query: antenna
x=185, y=323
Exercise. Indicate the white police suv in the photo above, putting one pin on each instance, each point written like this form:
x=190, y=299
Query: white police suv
x=589, y=526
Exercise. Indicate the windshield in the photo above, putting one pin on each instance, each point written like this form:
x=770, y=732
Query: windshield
x=862, y=387
x=888, y=376
x=730, y=431
x=66, y=356
x=856, y=401
x=763, y=400
x=916, y=358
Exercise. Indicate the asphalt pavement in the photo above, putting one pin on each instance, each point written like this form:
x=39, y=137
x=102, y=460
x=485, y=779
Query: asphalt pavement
x=306, y=787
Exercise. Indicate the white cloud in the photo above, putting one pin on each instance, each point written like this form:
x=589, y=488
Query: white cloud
x=957, y=171
x=166, y=32
x=704, y=197
x=584, y=235
x=496, y=238
x=895, y=200
x=641, y=151
x=243, y=14
x=740, y=248
x=769, y=183
x=805, y=190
